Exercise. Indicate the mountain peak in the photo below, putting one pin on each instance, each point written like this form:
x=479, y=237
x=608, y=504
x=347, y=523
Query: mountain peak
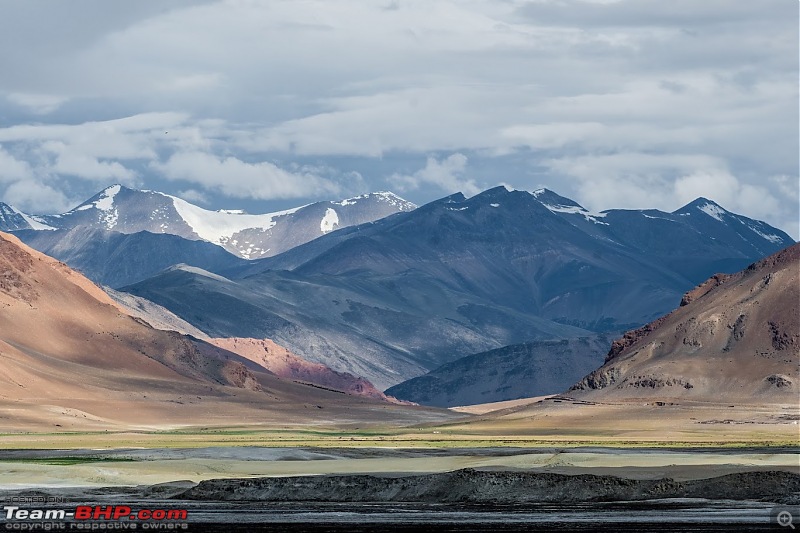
x=114, y=189
x=395, y=200
x=709, y=207
x=103, y=201
x=554, y=200
x=387, y=197
x=455, y=198
x=560, y=204
x=6, y=209
x=500, y=190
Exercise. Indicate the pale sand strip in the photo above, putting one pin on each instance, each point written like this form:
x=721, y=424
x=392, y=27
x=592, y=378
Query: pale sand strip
x=678, y=465
x=483, y=408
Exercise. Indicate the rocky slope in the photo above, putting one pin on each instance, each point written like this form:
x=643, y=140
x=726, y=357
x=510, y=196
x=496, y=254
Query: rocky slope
x=735, y=338
x=153, y=314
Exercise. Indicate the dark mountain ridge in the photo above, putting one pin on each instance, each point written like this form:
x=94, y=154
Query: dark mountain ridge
x=394, y=298
x=116, y=259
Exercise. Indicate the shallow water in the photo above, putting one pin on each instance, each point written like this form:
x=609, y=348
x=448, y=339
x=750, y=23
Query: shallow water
x=656, y=515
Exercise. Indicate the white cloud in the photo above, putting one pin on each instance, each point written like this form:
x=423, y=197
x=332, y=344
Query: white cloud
x=33, y=196
x=553, y=135
x=710, y=183
x=441, y=117
x=189, y=82
x=667, y=182
x=12, y=169
x=39, y=104
x=447, y=175
x=193, y=196
x=654, y=97
x=88, y=167
x=631, y=180
x=236, y=178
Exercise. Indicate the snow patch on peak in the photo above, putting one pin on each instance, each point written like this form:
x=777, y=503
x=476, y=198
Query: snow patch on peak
x=381, y=196
x=219, y=226
x=329, y=221
x=645, y=215
x=538, y=192
x=348, y=201
x=394, y=200
x=110, y=217
x=775, y=239
x=352, y=201
x=388, y=195
x=33, y=222
x=712, y=210
x=577, y=210
x=106, y=201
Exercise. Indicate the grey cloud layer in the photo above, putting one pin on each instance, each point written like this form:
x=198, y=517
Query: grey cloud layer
x=628, y=103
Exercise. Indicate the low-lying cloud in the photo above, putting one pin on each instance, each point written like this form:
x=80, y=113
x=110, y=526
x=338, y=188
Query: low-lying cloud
x=623, y=103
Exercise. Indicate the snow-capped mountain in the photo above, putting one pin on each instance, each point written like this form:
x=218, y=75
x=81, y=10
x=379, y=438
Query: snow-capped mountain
x=401, y=296
x=118, y=208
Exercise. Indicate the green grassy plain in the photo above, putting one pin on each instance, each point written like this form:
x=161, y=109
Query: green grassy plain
x=388, y=438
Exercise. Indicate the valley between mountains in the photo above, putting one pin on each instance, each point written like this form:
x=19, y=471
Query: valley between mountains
x=380, y=321
x=446, y=362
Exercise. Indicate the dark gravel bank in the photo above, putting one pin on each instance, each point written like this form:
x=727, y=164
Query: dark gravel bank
x=496, y=487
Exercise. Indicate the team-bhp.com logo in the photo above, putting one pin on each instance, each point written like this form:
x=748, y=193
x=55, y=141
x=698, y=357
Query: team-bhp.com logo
x=94, y=517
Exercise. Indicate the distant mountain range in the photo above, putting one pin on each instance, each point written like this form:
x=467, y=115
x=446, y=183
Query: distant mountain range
x=127, y=211
x=501, y=295
x=400, y=296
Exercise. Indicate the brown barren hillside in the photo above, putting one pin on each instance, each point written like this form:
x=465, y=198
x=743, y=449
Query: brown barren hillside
x=735, y=338
x=722, y=369
x=71, y=360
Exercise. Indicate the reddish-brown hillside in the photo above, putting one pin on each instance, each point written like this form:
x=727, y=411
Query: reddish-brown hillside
x=734, y=338
x=285, y=364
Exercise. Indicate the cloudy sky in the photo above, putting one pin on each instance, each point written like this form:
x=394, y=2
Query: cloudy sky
x=274, y=103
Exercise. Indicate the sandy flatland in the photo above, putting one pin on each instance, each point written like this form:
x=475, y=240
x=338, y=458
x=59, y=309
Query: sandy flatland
x=159, y=467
